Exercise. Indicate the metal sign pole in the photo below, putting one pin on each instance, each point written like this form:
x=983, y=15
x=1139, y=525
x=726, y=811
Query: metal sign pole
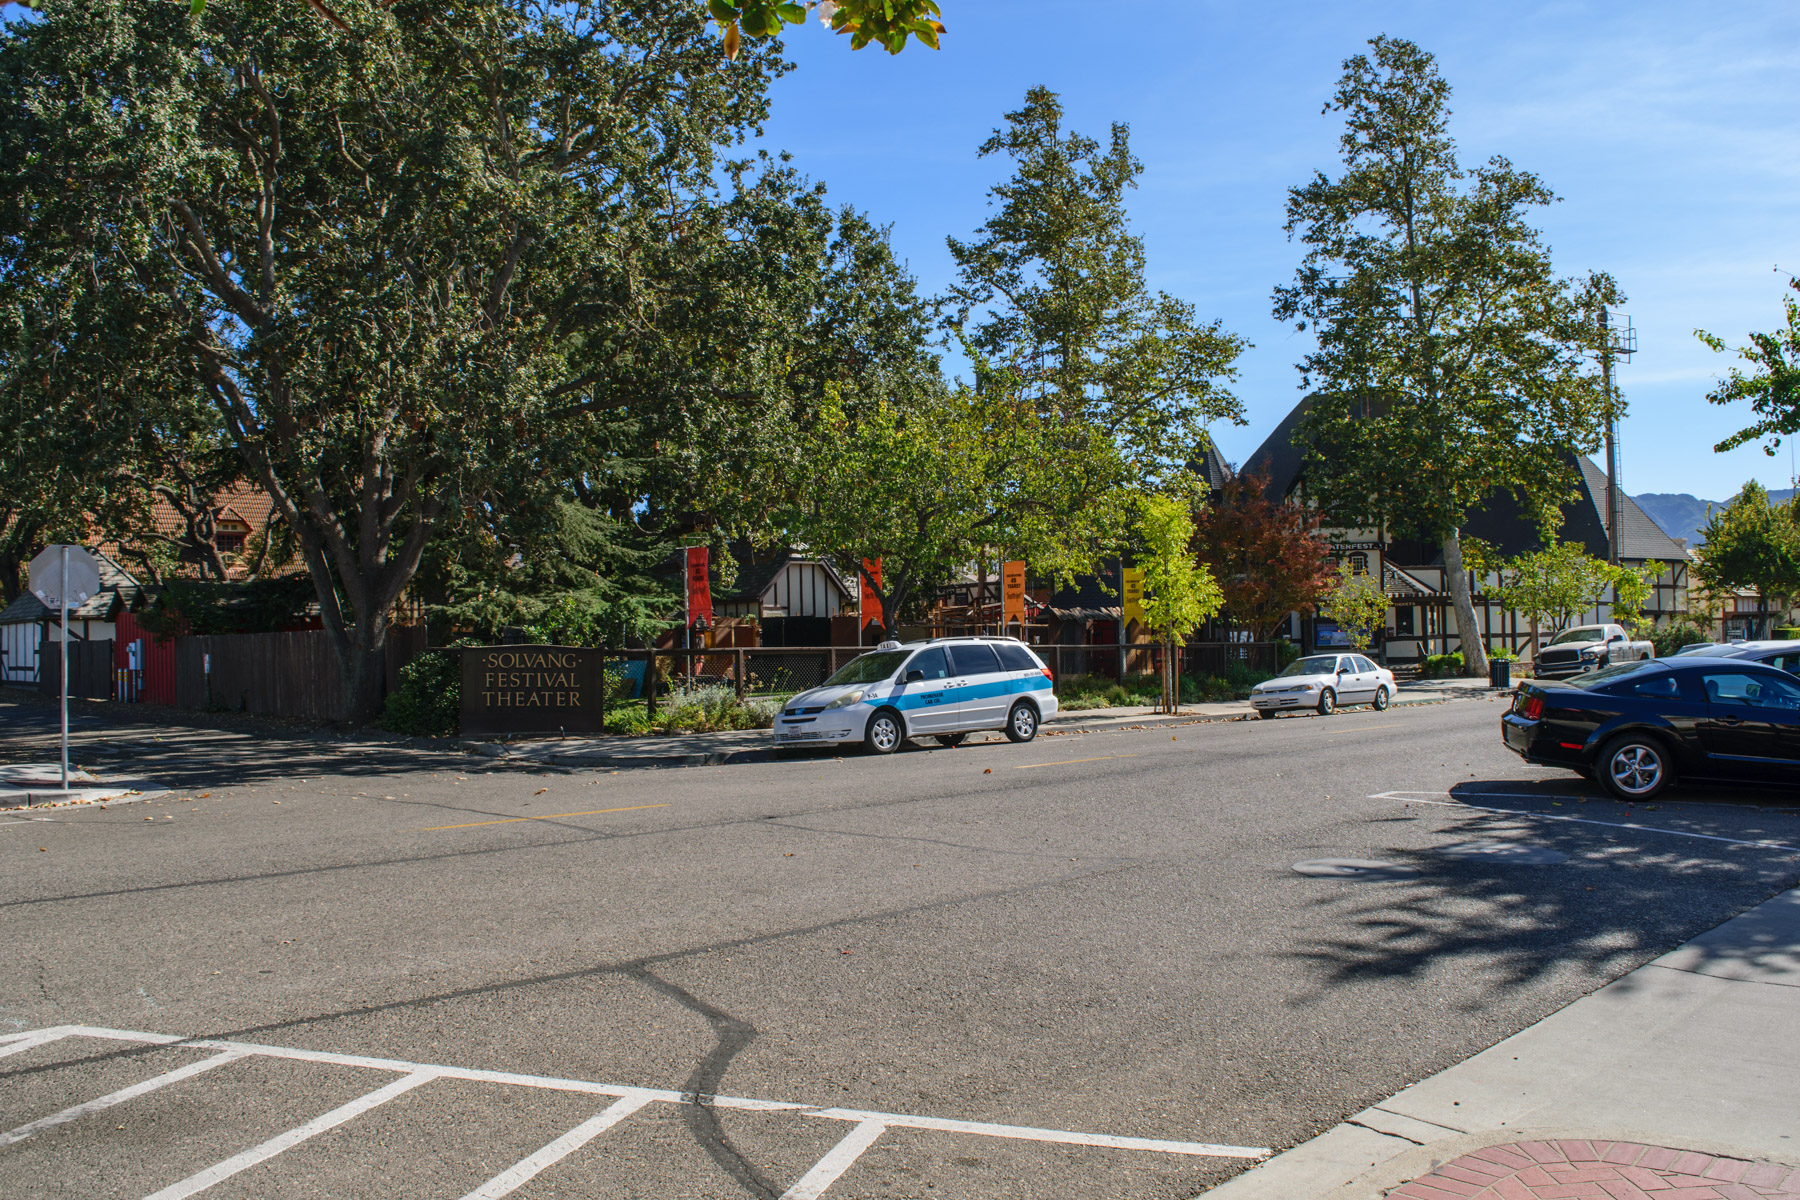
x=63, y=656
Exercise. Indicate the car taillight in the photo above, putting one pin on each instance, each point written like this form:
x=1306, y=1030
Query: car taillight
x=1048, y=675
x=1531, y=707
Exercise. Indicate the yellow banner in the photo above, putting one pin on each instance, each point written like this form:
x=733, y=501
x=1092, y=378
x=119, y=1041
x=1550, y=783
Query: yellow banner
x=1012, y=577
x=1133, y=594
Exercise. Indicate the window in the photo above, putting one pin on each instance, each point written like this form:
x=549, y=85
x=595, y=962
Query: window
x=1359, y=563
x=1403, y=621
x=1751, y=691
x=1786, y=662
x=1657, y=687
x=1014, y=657
x=931, y=662
x=1363, y=664
x=230, y=537
x=868, y=668
x=973, y=658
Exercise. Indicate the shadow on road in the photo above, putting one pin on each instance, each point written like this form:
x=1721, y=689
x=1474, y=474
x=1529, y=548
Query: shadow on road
x=1637, y=882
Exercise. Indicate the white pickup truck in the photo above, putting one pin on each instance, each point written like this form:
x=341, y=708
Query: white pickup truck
x=1587, y=647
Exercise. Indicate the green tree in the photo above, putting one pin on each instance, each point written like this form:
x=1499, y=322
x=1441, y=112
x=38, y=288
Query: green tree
x=401, y=263
x=1450, y=358
x=1752, y=543
x=1358, y=605
x=1179, y=593
x=1772, y=385
x=886, y=23
x=1051, y=298
x=1553, y=586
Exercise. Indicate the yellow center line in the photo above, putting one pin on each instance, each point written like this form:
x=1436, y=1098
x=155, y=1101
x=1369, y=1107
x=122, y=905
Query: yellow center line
x=1065, y=762
x=592, y=812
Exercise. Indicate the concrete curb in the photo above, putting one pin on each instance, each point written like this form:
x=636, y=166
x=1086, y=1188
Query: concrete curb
x=127, y=792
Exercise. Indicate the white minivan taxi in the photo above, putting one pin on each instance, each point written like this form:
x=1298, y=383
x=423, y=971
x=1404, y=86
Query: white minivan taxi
x=944, y=688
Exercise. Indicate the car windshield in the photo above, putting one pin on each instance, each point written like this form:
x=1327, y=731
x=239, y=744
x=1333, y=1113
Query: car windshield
x=1579, y=635
x=869, y=668
x=1318, y=664
x=1593, y=679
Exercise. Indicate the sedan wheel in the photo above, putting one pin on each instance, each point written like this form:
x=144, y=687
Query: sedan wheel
x=1382, y=699
x=1327, y=702
x=885, y=733
x=1635, y=768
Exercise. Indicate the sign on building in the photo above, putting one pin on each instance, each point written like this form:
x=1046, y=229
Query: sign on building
x=532, y=689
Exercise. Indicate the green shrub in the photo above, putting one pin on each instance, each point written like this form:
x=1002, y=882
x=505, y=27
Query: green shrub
x=1285, y=653
x=428, y=702
x=703, y=710
x=1503, y=654
x=1668, y=641
x=1787, y=633
x=1440, y=666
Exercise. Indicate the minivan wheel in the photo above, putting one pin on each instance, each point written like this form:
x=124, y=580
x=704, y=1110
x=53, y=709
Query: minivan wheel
x=1382, y=699
x=1021, y=723
x=1327, y=702
x=885, y=732
x=1634, y=767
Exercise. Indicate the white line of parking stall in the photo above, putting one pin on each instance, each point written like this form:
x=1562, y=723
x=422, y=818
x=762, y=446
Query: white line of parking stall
x=867, y=1126
x=1419, y=798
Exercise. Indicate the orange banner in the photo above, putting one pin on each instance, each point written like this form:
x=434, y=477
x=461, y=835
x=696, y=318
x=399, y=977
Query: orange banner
x=871, y=607
x=1012, y=592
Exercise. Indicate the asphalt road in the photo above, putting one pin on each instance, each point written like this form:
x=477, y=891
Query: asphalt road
x=1093, y=934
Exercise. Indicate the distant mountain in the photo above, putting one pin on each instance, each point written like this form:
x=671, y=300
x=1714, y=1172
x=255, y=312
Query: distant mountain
x=1681, y=515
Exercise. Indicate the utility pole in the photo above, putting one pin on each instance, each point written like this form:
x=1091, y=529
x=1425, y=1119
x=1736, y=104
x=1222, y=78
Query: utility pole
x=1621, y=343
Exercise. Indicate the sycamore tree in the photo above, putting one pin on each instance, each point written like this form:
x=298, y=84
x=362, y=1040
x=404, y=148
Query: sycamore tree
x=399, y=260
x=1179, y=593
x=1268, y=555
x=1753, y=543
x=1451, y=361
x=1771, y=385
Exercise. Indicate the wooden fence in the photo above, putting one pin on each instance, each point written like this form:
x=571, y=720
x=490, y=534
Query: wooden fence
x=276, y=674
x=90, y=669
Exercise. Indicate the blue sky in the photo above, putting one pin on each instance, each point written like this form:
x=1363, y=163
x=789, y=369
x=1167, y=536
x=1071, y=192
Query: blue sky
x=1669, y=131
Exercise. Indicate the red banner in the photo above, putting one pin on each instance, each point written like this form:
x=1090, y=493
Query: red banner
x=699, y=587
x=871, y=607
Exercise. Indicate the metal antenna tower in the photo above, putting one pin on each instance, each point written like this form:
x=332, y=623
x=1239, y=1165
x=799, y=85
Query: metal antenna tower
x=1616, y=341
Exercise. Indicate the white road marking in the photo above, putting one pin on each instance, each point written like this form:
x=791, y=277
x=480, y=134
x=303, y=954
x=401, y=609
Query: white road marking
x=628, y=1100
x=1027, y=1133
x=31, y=1041
x=837, y=1160
x=516, y=1175
x=286, y=1141
x=119, y=1097
x=1414, y=798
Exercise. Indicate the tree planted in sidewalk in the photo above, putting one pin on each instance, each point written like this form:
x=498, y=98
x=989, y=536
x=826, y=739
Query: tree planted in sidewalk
x=1180, y=594
x=1753, y=543
x=1358, y=605
x=1451, y=361
x=1268, y=555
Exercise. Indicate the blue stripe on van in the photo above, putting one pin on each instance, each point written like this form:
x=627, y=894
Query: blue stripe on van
x=962, y=695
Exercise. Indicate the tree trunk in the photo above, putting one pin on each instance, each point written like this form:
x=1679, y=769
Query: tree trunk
x=366, y=681
x=1468, y=630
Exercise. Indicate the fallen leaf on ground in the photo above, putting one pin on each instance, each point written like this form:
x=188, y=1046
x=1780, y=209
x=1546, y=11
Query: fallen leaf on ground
x=540, y=791
x=989, y=771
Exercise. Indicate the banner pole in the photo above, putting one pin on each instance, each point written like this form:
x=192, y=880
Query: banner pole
x=63, y=658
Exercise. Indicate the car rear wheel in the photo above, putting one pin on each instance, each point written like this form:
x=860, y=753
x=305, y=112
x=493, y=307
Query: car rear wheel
x=1327, y=702
x=1382, y=698
x=1634, y=767
x=1021, y=723
x=885, y=732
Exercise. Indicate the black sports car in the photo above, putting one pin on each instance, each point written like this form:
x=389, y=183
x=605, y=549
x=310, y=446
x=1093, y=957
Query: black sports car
x=1637, y=726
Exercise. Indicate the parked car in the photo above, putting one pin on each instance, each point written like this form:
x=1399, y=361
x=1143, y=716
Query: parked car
x=1323, y=683
x=1784, y=655
x=1639, y=726
x=1691, y=647
x=1588, y=648
x=944, y=688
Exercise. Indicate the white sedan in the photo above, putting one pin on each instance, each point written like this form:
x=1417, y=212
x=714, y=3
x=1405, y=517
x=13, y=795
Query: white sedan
x=1323, y=682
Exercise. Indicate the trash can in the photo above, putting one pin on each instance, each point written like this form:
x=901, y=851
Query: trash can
x=1499, y=672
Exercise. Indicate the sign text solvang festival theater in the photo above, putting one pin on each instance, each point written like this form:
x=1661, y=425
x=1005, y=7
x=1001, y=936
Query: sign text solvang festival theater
x=531, y=689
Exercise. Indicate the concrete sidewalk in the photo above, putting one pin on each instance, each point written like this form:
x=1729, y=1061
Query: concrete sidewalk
x=1679, y=1081
x=30, y=785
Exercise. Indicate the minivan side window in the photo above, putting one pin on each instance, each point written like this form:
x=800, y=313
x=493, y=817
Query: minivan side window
x=1014, y=657
x=973, y=658
x=931, y=662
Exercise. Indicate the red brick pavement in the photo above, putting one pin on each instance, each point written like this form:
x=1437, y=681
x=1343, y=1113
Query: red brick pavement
x=1580, y=1170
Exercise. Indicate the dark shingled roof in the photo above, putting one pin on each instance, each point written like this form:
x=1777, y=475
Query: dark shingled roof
x=117, y=589
x=1502, y=521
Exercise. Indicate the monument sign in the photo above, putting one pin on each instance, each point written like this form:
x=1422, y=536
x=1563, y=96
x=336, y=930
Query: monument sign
x=532, y=689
